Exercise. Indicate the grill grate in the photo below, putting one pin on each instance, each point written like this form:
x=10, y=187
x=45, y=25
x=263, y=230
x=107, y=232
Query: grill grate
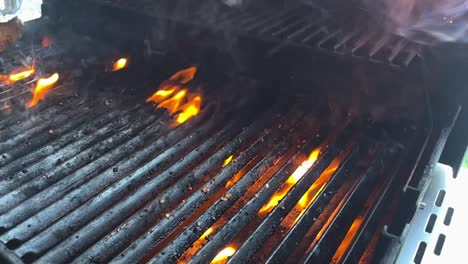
x=293, y=24
x=97, y=180
x=89, y=182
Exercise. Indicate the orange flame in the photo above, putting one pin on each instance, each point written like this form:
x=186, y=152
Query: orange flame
x=291, y=181
x=314, y=191
x=227, y=161
x=224, y=255
x=184, y=76
x=352, y=231
x=171, y=96
x=195, y=246
x=160, y=95
x=120, y=64
x=326, y=175
x=234, y=179
x=20, y=74
x=167, y=88
x=42, y=88
x=172, y=104
x=189, y=110
x=306, y=200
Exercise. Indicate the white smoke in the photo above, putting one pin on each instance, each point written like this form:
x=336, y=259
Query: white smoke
x=429, y=21
x=233, y=3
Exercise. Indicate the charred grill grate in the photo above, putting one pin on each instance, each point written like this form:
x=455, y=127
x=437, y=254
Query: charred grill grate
x=87, y=182
x=94, y=180
x=300, y=25
x=312, y=27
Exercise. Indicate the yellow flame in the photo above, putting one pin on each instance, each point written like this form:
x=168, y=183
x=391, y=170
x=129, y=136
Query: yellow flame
x=206, y=234
x=161, y=94
x=173, y=103
x=304, y=167
x=273, y=202
x=20, y=74
x=42, y=88
x=223, y=255
x=291, y=181
x=120, y=64
x=314, y=191
x=227, y=161
x=188, y=254
x=189, y=110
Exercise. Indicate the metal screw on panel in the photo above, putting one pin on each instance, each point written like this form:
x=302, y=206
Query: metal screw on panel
x=422, y=205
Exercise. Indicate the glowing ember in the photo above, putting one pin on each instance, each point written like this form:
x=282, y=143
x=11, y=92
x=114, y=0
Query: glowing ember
x=172, y=104
x=20, y=74
x=227, y=161
x=120, y=64
x=42, y=88
x=291, y=181
x=223, y=255
x=46, y=42
x=189, y=110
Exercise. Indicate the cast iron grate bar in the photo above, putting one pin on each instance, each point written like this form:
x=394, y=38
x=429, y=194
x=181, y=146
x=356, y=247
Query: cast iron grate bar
x=123, y=210
x=331, y=238
x=312, y=212
x=259, y=236
x=192, y=233
x=61, y=149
